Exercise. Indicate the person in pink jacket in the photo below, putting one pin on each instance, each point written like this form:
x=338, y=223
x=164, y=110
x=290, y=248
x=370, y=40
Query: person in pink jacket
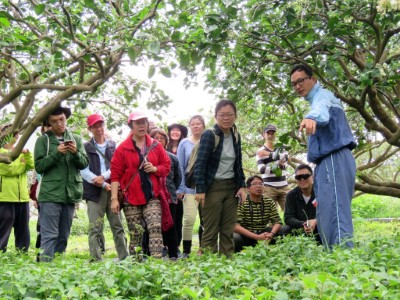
x=136, y=166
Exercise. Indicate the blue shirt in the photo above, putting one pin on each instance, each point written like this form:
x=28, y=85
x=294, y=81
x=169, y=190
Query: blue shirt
x=88, y=176
x=183, y=153
x=333, y=131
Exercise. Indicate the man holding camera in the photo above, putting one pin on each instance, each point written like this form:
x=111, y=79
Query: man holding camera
x=271, y=163
x=258, y=218
x=59, y=155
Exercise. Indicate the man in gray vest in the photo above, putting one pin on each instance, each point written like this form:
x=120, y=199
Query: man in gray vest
x=97, y=191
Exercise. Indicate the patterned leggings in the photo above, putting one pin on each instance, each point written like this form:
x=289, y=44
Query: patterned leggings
x=141, y=217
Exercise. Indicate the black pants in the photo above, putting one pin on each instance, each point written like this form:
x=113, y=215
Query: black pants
x=244, y=241
x=14, y=215
x=178, y=221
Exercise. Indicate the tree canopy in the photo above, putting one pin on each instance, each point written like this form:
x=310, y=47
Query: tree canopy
x=62, y=51
x=352, y=47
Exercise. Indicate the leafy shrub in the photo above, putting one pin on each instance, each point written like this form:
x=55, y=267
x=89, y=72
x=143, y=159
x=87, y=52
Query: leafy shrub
x=372, y=206
x=295, y=268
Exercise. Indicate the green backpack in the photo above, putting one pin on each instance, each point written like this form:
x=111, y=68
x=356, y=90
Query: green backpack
x=189, y=172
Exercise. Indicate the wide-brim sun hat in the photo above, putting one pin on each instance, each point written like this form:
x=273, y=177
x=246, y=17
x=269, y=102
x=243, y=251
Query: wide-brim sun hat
x=182, y=128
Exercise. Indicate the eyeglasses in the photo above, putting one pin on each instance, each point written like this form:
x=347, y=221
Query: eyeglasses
x=228, y=115
x=257, y=184
x=299, y=82
x=302, y=177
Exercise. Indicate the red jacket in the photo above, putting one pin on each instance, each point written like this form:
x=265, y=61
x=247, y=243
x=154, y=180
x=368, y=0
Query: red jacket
x=125, y=163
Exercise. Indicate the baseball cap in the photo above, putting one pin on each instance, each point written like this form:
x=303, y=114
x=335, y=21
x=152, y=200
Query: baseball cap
x=93, y=119
x=270, y=127
x=137, y=115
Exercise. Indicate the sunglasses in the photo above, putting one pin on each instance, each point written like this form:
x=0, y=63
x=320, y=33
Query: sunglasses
x=302, y=176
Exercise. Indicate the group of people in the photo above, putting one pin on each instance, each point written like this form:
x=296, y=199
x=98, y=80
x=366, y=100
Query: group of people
x=144, y=178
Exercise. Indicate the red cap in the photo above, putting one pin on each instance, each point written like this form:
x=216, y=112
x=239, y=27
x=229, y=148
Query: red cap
x=93, y=119
x=137, y=115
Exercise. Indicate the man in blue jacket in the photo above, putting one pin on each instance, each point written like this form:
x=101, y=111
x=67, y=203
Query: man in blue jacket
x=329, y=147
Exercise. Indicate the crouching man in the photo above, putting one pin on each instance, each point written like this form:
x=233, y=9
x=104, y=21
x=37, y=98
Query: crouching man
x=258, y=218
x=300, y=210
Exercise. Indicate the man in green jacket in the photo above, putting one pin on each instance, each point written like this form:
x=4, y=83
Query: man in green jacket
x=59, y=155
x=14, y=195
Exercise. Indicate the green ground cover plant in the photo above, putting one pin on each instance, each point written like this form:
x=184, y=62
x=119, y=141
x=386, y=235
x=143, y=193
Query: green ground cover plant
x=373, y=206
x=295, y=268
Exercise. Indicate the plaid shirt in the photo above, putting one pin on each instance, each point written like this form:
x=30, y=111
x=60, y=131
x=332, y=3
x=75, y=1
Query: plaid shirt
x=208, y=158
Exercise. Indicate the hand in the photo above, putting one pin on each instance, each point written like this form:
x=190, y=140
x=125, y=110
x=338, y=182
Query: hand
x=263, y=153
x=261, y=237
x=62, y=148
x=312, y=224
x=115, y=206
x=35, y=204
x=98, y=180
x=107, y=187
x=309, y=125
x=180, y=196
x=149, y=168
x=241, y=193
x=71, y=146
x=200, y=198
x=269, y=236
x=25, y=151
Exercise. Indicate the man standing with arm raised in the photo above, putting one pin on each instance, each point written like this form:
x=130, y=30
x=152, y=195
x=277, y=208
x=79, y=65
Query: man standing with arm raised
x=329, y=147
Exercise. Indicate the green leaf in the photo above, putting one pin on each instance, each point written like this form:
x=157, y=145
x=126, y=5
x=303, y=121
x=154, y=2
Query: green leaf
x=196, y=58
x=90, y=4
x=184, y=59
x=152, y=70
x=133, y=53
x=5, y=22
x=166, y=72
x=116, y=47
x=154, y=47
x=39, y=9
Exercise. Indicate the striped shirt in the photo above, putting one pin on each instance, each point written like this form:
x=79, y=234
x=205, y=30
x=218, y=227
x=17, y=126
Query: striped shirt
x=265, y=164
x=256, y=216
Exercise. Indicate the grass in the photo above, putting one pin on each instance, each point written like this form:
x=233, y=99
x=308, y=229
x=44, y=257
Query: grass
x=295, y=268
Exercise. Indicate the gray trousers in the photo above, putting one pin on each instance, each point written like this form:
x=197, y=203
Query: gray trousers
x=96, y=212
x=55, y=227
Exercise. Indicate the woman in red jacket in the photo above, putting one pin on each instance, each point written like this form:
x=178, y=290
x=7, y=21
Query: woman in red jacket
x=135, y=166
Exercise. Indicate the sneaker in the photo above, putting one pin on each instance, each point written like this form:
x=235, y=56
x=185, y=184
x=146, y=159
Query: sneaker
x=164, y=252
x=184, y=255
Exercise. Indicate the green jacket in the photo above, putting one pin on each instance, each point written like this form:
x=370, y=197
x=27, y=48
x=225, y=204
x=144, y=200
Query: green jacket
x=13, y=179
x=61, y=180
